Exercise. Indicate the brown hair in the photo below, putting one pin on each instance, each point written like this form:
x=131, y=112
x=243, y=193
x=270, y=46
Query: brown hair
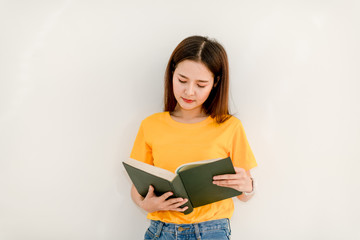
x=214, y=57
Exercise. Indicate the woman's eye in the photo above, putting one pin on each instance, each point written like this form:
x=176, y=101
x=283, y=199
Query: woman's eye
x=200, y=86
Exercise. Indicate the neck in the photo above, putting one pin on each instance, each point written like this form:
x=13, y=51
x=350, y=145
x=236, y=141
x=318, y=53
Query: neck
x=188, y=114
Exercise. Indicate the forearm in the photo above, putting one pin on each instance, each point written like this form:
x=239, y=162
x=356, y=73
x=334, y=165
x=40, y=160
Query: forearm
x=247, y=195
x=244, y=198
x=136, y=197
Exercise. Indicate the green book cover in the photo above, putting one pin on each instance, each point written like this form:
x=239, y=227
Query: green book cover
x=192, y=181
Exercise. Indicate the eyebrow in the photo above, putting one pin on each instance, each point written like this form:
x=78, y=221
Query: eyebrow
x=204, y=81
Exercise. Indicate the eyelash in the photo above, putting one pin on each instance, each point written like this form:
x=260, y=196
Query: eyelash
x=198, y=84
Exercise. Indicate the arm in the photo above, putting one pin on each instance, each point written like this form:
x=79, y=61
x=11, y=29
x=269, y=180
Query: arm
x=240, y=181
x=152, y=203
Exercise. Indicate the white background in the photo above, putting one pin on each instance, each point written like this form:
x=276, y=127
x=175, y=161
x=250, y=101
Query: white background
x=77, y=78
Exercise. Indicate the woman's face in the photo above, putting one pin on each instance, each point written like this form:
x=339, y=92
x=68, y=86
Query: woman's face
x=192, y=84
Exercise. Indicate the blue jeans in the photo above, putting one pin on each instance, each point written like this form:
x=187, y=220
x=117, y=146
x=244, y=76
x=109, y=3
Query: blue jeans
x=210, y=230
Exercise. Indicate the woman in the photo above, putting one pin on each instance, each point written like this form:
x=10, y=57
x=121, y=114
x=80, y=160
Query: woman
x=195, y=125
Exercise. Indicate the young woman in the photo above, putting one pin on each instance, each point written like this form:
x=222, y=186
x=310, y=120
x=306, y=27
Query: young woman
x=195, y=125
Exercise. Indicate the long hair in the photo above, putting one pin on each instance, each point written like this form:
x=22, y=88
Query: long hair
x=214, y=57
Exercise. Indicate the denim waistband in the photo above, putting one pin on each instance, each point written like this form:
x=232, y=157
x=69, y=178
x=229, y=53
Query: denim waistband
x=158, y=226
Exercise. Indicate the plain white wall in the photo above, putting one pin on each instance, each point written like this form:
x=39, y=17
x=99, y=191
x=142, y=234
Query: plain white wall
x=77, y=78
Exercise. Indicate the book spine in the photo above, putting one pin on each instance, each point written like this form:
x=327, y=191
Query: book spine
x=180, y=191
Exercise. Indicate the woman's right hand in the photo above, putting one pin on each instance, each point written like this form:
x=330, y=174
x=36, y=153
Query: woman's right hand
x=152, y=203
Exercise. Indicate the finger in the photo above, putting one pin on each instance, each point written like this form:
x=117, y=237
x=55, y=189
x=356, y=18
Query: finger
x=166, y=195
x=234, y=186
x=175, y=200
x=240, y=170
x=150, y=191
x=174, y=206
x=178, y=204
x=222, y=184
x=228, y=182
x=227, y=176
x=179, y=209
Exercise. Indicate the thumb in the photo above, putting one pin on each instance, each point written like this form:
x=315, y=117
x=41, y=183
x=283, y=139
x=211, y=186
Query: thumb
x=150, y=191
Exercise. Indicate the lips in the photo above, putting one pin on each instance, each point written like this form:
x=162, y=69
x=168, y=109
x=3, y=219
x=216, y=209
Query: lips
x=188, y=100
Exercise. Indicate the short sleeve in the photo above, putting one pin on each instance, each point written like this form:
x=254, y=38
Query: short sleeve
x=141, y=150
x=241, y=153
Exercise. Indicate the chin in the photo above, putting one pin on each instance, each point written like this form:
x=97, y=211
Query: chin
x=188, y=107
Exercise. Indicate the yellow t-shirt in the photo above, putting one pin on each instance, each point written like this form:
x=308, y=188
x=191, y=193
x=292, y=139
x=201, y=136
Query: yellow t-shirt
x=166, y=143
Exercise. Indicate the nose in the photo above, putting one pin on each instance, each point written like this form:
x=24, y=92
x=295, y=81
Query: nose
x=190, y=89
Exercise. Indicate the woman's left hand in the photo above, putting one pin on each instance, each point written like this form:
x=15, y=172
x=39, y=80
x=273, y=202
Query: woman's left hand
x=240, y=181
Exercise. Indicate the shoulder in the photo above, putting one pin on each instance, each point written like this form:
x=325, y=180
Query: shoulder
x=154, y=118
x=232, y=122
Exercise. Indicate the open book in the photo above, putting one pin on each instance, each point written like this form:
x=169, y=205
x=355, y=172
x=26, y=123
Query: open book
x=192, y=180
